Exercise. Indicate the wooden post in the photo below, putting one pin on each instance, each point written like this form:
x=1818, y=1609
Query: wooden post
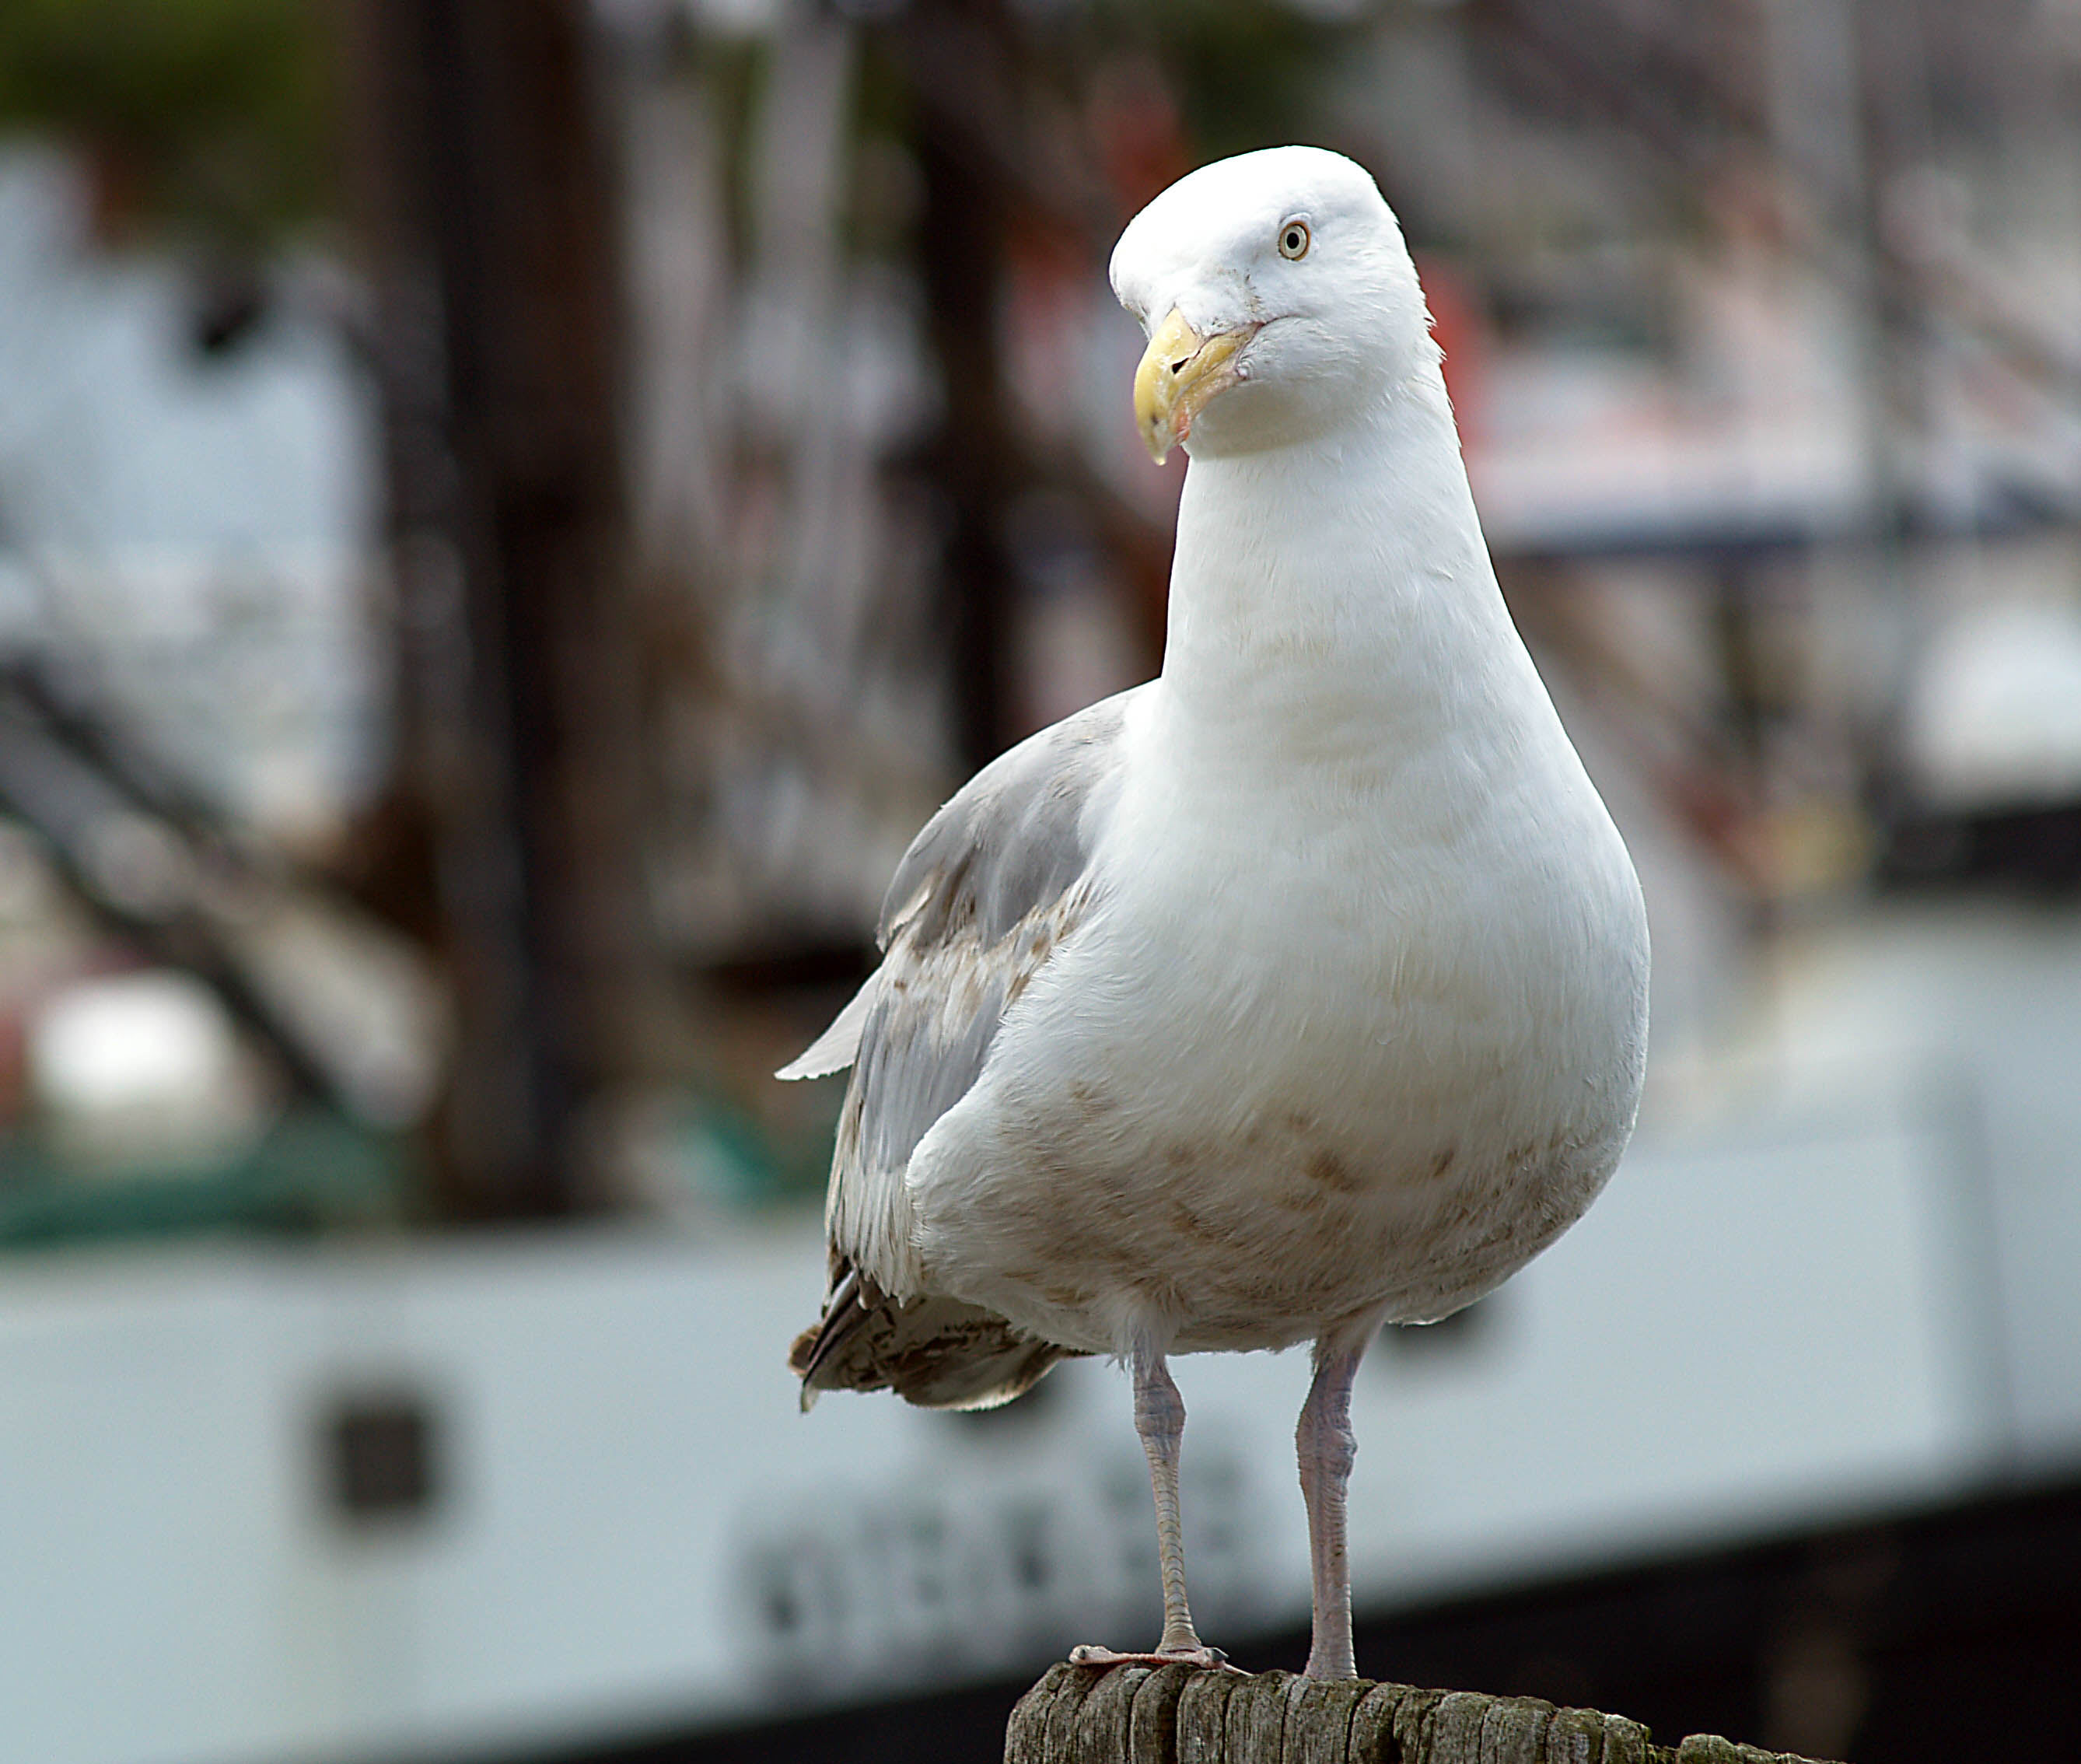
x=1184, y=1715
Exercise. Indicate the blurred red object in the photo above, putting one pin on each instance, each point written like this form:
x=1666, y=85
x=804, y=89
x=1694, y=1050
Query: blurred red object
x=1462, y=328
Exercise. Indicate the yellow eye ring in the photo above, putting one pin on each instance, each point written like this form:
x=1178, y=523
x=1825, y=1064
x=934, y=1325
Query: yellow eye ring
x=1293, y=239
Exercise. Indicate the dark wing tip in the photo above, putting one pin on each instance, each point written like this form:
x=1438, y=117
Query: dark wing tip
x=847, y=1306
x=933, y=1353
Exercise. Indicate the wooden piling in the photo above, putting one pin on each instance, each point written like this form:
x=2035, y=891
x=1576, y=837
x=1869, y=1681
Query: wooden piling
x=1185, y=1715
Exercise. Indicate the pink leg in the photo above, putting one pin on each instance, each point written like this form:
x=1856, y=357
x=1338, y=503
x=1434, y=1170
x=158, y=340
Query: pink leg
x=1326, y=1449
x=1159, y=1418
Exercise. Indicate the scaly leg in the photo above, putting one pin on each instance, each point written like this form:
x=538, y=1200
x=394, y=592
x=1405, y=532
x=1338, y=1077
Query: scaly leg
x=1326, y=1449
x=1159, y=1418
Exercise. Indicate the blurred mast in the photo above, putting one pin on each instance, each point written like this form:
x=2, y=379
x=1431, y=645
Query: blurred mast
x=961, y=258
x=490, y=202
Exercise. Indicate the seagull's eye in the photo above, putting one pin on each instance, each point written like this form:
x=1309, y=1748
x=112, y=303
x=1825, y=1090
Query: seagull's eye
x=1293, y=239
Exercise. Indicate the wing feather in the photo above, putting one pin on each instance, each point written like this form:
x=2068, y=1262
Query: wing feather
x=839, y=1045
x=996, y=880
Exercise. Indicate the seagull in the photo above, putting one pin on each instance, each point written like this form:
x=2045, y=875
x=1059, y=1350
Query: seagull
x=1301, y=990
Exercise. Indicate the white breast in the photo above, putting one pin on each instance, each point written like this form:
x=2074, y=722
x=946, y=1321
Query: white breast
x=1322, y=1051
x=1358, y=1025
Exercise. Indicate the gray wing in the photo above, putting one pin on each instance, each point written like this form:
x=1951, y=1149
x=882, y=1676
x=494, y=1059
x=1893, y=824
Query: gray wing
x=996, y=880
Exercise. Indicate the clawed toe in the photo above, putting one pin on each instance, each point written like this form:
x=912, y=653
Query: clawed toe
x=1209, y=1658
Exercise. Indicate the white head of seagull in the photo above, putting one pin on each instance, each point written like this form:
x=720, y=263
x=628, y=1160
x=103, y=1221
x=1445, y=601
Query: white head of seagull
x=1277, y=283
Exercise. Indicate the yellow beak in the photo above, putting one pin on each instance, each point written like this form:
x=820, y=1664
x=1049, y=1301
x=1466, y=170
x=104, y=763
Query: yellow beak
x=1180, y=373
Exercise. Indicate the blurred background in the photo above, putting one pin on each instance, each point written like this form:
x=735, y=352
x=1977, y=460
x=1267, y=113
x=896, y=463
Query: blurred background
x=512, y=512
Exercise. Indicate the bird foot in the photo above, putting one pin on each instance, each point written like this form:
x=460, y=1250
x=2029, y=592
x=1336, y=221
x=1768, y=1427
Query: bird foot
x=1211, y=1658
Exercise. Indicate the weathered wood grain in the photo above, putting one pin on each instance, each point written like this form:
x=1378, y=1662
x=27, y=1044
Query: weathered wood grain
x=1181, y=1715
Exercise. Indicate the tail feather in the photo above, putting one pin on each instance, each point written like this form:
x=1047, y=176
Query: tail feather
x=934, y=1353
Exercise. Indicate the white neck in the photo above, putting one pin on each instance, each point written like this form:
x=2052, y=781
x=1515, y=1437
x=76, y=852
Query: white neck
x=1334, y=598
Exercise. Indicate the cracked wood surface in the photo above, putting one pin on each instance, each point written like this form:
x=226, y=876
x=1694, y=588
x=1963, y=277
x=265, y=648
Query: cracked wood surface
x=1180, y=1715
